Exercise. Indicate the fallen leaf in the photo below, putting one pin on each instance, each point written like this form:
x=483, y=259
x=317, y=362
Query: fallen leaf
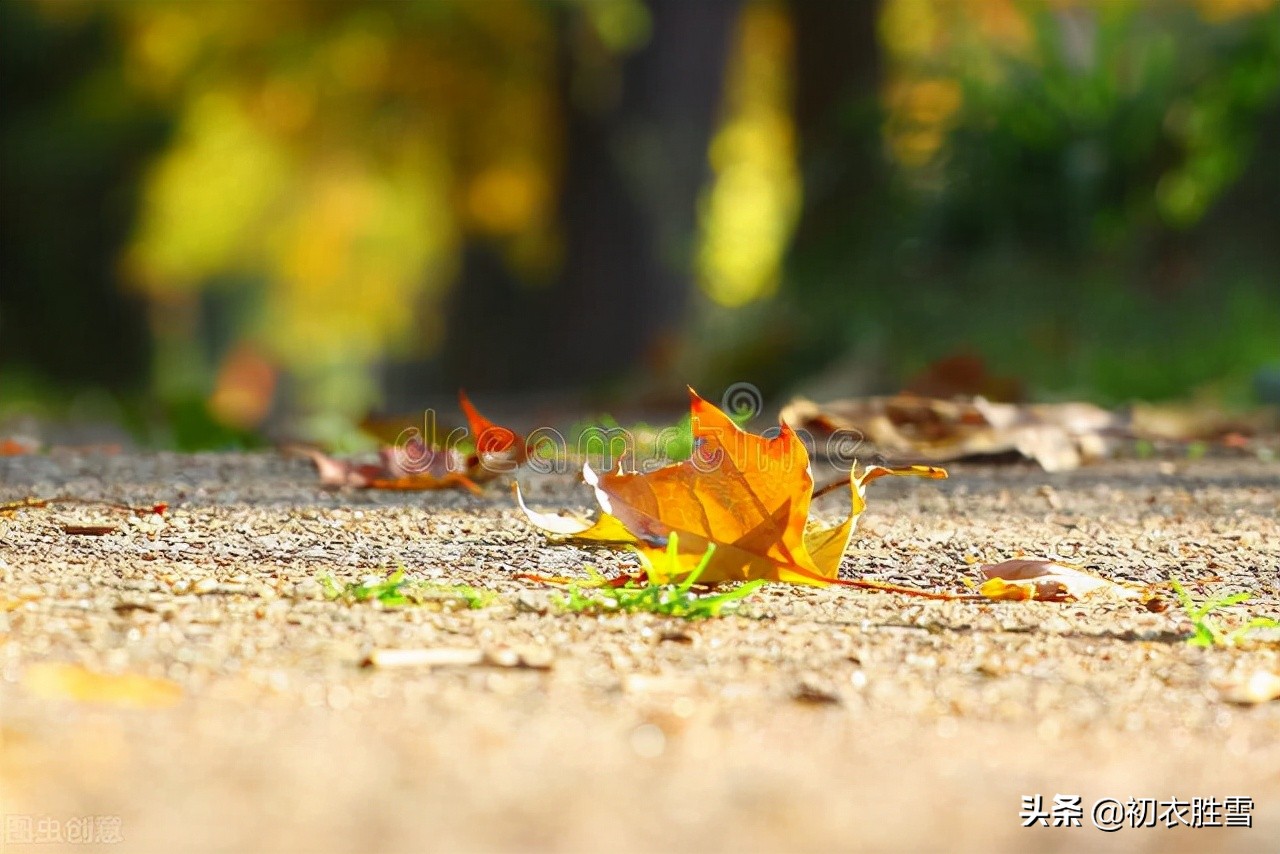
x=412, y=464
x=59, y=681
x=498, y=449
x=408, y=466
x=747, y=494
x=1046, y=581
x=1058, y=436
x=606, y=530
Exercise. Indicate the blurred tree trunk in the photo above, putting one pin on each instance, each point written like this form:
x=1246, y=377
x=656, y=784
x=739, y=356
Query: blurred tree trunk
x=838, y=72
x=70, y=177
x=837, y=86
x=635, y=162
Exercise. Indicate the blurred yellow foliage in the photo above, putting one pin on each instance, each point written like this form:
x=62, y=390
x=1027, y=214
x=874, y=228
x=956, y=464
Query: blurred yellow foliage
x=1220, y=11
x=750, y=210
x=328, y=158
x=207, y=198
x=920, y=114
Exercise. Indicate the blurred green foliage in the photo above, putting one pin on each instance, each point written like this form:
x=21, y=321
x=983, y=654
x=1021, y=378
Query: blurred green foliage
x=1067, y=203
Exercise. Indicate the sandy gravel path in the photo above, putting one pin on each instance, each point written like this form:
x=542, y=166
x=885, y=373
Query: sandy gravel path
x=817, y=720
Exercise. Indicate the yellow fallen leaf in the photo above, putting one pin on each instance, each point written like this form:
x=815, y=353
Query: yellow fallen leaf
x=1046, y=581
x=59, y=681
x=607, y=529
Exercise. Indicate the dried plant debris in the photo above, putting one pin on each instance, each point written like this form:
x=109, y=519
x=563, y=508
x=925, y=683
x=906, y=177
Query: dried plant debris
x=1057, y=436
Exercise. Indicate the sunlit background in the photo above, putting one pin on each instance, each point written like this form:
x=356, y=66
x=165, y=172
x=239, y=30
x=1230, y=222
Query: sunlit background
x=228, y=220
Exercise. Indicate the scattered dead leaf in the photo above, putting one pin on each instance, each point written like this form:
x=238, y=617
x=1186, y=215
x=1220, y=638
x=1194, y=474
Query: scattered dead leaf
x=410, y=467
x=1058, y=436
x=1046, y=581
x=412, y=464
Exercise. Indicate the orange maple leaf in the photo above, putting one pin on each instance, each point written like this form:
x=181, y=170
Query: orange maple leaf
x=747, y=494
x=498, y=449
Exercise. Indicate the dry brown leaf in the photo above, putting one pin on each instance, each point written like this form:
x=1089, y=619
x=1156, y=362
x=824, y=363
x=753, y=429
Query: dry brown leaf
x=1047, y=581
x=59, y=681
x=1058, y=436
x=412, y=464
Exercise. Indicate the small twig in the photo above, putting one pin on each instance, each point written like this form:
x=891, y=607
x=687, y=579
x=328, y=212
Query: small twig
x=159, y=508
x=908, y=591
x=623, y=580
x=21, y=504
x=830, y=487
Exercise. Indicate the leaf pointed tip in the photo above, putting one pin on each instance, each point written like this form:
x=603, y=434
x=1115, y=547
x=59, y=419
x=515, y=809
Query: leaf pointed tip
x=696, y=401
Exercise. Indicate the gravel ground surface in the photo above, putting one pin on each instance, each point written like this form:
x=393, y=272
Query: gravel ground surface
x=815, y=720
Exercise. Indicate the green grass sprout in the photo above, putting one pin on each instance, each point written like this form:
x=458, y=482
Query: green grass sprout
x=670, y=600
x=1205, y=630
x=396, y=591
